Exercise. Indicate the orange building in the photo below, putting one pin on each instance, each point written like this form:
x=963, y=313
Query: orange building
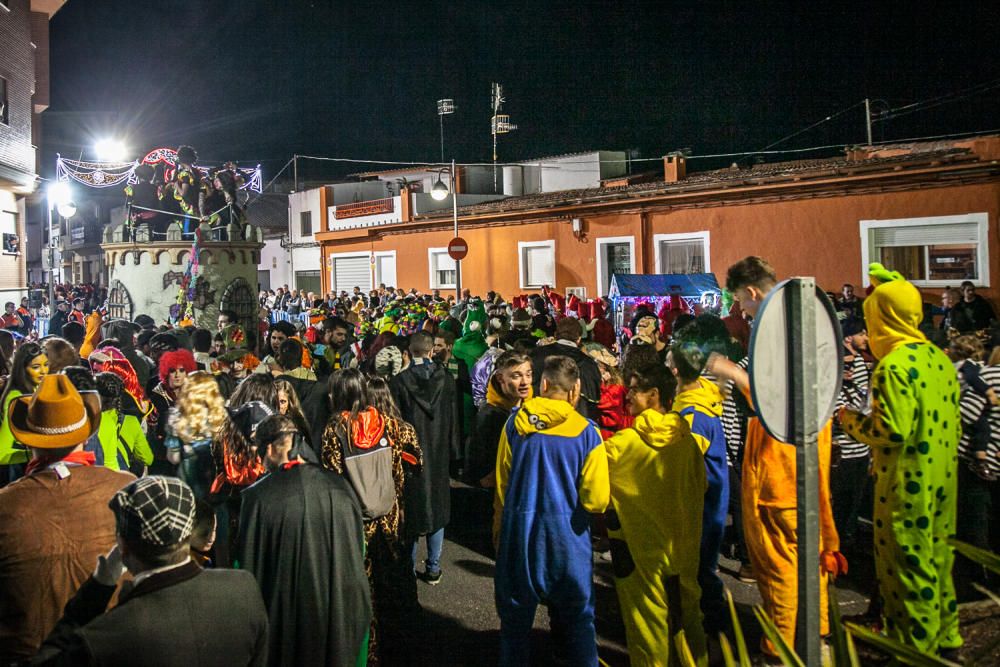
x=927, y=209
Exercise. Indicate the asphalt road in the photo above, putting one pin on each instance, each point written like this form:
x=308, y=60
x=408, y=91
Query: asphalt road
x=460, y=625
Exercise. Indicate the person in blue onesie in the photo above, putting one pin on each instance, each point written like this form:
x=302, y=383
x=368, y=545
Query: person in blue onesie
x=551, y=472
x=699, y=401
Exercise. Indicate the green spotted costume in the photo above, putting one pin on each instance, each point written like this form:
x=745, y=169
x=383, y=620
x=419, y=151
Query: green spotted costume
x=913, y=430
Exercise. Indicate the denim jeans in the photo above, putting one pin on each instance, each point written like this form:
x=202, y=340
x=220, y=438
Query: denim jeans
x=435, y=541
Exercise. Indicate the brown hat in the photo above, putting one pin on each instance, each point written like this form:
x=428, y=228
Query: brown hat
x=56, y=416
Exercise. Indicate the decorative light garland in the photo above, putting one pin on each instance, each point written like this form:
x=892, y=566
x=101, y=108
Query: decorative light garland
x=109, y=174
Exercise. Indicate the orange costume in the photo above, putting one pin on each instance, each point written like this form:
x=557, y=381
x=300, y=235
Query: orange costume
x=769, y=521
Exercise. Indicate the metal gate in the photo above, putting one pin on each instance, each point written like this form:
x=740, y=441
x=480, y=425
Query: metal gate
x=120, y=304
x=242, y=300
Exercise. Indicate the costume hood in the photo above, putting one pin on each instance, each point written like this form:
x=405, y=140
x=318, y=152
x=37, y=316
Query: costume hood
x=425, y=382
x=545, y=415
x=893, y=312
x=707, y=398
x=661, y=430
x=367, y=429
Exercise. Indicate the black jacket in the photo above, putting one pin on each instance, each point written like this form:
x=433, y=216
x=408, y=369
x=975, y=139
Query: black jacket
x=184, y=616
x=425, y=395
x=590, y=375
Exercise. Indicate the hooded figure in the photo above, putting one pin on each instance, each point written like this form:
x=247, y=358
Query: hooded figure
x=913, y=430
x=655, y=466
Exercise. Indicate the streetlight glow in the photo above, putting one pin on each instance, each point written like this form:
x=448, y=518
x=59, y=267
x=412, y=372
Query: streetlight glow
x=59, y=193
x=66, y=209
x=440, y=190
x=110, y=150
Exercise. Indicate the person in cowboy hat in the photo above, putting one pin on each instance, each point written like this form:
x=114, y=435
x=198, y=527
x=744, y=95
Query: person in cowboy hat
x=173, y=612
x=54, y=521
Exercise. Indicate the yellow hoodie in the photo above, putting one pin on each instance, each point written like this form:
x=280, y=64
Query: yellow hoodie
x=706, y=399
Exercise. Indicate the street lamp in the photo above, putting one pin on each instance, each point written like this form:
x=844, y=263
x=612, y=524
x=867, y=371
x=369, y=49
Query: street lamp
x=439, y=192
x=110, y=150
x=59, y=195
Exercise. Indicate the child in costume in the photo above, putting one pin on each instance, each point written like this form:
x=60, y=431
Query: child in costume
x=913, y=430
x=551, y=471
x=123, y=444
x=658, y=483
x=699, y=401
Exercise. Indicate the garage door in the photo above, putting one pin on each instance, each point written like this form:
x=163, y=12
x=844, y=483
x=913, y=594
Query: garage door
x=350, y=272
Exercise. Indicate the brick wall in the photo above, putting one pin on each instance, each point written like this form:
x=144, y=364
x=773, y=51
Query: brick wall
x=17, y=65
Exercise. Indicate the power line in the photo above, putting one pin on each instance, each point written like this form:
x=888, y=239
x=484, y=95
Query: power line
x=932, y=102
x=817, y=123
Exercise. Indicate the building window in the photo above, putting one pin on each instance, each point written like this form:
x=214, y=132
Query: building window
x=931, y=252
x=305, y=223
x=8, y=233
x=4, y=110
x=308, y=281
x=443, y=271
x=682, y=253
x=385, y=268
x=536, y=262
x=615, y=254
x=350, y=270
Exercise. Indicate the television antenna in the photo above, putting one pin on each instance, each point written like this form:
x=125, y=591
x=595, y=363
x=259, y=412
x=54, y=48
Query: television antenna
x=499, y=124
x=445, y=107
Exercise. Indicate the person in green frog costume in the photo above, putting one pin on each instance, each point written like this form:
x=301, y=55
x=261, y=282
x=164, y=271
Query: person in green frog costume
x=467, y=350
x=913, y=429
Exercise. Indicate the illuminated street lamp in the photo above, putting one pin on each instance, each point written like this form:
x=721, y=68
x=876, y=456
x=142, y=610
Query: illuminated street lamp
x=59, y=196
x=110, y=150
x=440, y=191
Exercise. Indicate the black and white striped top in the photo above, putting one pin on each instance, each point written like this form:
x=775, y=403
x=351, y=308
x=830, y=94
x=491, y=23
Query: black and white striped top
x=734, y=420
x=972, y=405
x=854, y=395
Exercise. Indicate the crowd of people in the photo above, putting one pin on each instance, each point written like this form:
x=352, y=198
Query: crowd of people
x=286, y=480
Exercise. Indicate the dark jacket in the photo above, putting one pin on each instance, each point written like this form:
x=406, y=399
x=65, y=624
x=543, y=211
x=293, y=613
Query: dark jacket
x=590, y=375
x=184, y=616
x=426, y=396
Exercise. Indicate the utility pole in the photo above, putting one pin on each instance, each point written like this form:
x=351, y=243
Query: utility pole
x=499, y=124
x=445, y=107
x=868, y=119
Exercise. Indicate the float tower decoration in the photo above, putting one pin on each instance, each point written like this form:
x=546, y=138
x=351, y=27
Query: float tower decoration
x=167, y=260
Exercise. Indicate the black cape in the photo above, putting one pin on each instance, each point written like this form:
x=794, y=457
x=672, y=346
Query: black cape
x=426, y=397
x=302, y=538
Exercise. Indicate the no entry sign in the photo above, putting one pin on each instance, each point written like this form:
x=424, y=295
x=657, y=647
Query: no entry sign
x=458, y=248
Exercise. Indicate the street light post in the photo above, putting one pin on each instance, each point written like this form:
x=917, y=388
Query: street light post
x=59, y=197
x=454, y=213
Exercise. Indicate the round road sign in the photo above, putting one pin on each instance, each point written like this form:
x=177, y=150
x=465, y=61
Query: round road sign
x=771, y=372
x=458, y=248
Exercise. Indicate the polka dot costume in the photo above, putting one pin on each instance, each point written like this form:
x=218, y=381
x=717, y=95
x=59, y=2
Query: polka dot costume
x=913, y=430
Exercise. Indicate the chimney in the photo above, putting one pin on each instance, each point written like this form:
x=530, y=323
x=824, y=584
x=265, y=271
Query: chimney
x=405, y=204
x=674, y=168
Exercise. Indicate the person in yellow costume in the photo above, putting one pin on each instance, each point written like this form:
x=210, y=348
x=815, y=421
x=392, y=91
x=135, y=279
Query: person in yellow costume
x=29, y=365
x=913, y=429
x=769, y=491
x=658, y=486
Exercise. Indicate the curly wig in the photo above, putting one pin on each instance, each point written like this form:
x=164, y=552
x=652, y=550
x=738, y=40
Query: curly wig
x=200, y=410
x=181, y=358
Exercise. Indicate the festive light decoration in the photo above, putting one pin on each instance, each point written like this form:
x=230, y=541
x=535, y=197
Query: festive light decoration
x=109, y=174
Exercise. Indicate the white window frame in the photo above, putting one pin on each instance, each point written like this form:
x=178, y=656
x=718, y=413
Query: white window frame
x=982, y=250
x=432, y=269
x=602, y=268
x=344, y=255
x=522, y=276
x=704, y=236
x=379, y=278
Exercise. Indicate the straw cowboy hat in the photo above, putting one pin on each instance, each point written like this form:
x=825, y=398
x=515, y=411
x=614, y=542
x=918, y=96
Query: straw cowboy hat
x=56, y=416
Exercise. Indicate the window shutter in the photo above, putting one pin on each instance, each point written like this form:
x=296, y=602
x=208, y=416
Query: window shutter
x=539, y=263
x=920, y=235
x=351, y=272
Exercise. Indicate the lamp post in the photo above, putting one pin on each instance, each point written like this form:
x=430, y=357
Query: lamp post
x=58, y=196
x=438, y=193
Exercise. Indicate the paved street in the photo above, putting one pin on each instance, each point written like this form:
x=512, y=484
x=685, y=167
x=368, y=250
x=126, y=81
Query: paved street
x=461, y=626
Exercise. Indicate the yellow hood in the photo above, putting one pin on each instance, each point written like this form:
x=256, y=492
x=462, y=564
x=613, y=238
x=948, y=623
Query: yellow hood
x=660, y=430
x=893, y=312
x=706, y=397
x=545, y=415
x=494, y=397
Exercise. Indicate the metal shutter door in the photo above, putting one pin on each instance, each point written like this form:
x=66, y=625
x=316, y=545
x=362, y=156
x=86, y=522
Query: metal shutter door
x=351, y=272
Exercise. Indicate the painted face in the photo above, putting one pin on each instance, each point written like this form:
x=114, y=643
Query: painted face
x=516, y=381
x=282, y=402
x=277, y=338
x=640, y=400
x=37, y=369
x=176, y=378
x=646, y=327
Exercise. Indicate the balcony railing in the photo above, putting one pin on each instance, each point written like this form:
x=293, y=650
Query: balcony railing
x=363, y=208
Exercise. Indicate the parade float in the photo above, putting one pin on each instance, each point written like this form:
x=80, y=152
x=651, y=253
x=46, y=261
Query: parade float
x=182, y=250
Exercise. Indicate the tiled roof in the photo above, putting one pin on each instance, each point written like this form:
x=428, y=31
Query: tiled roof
x=797, y=169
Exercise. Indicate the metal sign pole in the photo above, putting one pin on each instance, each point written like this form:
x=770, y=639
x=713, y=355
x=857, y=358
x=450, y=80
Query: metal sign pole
x=804, y=418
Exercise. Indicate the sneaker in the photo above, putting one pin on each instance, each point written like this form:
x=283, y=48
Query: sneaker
x=746, y=574
x=432, y=578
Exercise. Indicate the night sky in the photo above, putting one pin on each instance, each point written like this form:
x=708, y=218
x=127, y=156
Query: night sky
x=259, y=81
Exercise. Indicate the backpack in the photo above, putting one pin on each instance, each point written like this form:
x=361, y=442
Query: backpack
x=369, y=471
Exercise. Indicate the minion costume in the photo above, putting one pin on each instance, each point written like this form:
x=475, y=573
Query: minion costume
x=702, y=408
x=551, y=471
x=658, y=485
x=913, y=430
